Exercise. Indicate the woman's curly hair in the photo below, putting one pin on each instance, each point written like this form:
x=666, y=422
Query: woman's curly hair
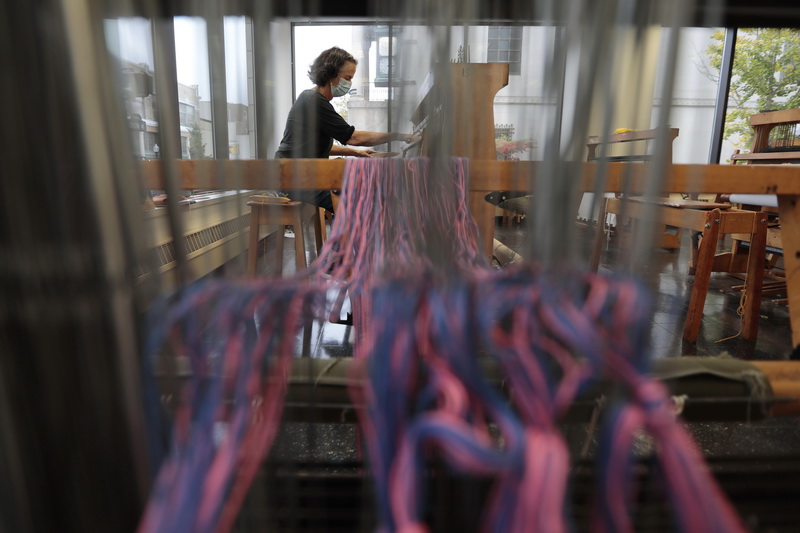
x=328, y=64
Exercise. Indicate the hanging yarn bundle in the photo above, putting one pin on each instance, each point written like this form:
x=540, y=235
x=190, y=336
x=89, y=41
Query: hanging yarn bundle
x=400, y=216
x=426, y=387
x=239, y=340
x=594, y=327
x=553, y=335
x=397, y=216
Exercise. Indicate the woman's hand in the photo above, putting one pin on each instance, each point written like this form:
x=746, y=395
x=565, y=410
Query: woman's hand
x=363, y=153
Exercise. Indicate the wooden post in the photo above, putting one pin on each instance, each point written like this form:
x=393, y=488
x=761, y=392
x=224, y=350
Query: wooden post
x=789, y=210
x=705, y=259
x=755, y=277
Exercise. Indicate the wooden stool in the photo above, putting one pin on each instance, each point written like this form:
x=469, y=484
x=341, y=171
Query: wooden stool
x=281, y=212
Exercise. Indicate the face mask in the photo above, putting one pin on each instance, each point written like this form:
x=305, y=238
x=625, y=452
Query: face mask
x=342, y=89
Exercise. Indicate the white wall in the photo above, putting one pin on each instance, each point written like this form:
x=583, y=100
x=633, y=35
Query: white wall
x=693, y=99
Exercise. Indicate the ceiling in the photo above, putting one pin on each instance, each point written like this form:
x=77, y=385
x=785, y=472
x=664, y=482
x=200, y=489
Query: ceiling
x=716, y=13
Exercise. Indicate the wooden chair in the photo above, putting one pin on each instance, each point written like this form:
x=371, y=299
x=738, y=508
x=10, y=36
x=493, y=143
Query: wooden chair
x=775, y=142
x=282, y=212
x=712, y=221
x=709, y=221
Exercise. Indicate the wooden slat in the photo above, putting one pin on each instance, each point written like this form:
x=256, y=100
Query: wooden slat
x=680, y=203
x=766, y=156
x=250, y=174
x=773, y=118
x=485, y=175
x=773, y=238
x=736, y=221
x=755, y=179
x=643, y=135
x=682, y=218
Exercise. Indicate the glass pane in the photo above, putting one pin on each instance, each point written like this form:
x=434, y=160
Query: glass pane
x=194, y=87
x=241, y=133
x=694, y=96
x=765, y=78
x=130, y=41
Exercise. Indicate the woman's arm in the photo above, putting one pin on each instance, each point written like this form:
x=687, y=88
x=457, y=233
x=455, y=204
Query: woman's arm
x=373, y=138
x=346, y=151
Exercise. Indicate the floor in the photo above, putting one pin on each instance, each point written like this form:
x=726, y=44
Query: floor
x=667, y=277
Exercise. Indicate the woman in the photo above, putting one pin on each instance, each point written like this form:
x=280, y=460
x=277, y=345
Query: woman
x=313, y=124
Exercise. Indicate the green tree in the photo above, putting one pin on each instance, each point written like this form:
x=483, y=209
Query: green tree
x=197, y=148
x=765, y=76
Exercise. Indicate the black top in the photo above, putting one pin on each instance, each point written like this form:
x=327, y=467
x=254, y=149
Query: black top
x=311, y=127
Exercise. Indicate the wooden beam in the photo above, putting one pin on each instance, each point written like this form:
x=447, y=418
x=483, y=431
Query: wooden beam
x=485, y=176
x=782, y=116
x=249, y=174
x=766, y=156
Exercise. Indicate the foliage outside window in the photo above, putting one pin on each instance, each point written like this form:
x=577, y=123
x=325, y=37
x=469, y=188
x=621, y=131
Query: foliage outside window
x=765, y=76
x=197, y=148
x=507, y=149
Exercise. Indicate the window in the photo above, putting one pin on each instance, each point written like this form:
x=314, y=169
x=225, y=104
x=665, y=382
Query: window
x=505, y=46
x=150, y=142
x=764, y=79
x=187, y=115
